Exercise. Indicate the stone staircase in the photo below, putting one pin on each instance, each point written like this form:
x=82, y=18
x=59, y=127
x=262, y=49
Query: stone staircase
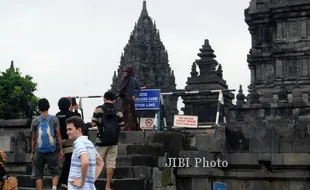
x=140, y=164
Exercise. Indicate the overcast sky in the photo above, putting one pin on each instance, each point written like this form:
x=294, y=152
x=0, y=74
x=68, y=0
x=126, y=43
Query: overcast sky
x=72, y=47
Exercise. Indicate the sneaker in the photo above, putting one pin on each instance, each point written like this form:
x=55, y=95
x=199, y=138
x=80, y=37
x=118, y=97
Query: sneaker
x=64, y=186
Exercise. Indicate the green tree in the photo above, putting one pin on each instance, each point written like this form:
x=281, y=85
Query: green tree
x=17, y=99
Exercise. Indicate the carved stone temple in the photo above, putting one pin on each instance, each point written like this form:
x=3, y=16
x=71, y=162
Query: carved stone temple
x=280, y=32
x=266, y=140
x=209, y=77
x=149, y=58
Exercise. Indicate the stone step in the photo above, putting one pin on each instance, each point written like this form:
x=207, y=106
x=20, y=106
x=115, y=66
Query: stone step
x=24, y=181
x=119, y=172
x=130, y=172
x=155, y=149
x=121, y=161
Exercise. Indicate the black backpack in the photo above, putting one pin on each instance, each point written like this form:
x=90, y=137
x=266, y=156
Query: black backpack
x=109, y=129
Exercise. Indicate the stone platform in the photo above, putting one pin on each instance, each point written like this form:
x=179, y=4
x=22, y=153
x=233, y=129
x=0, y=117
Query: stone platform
x=254, y=153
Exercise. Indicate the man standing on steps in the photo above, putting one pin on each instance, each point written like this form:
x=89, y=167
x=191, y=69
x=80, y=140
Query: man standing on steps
x=64, y=105
x=44, y=131
x=109, y=121
x=86, y=163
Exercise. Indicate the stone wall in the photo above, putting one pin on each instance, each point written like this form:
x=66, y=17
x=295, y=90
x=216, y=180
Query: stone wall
x=266, y=146
x=15, y=141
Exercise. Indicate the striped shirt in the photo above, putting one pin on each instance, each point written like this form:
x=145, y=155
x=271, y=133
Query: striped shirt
x=83, y=146
x=98, y=115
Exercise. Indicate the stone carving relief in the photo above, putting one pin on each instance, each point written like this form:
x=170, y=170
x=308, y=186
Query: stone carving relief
x=258, y=72
x=268, y=72
x=294, y=29
x=291, y=68
x=305, y=66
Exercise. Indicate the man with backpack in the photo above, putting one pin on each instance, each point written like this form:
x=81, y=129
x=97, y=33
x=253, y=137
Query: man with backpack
x=44, y=132
x=109, y=121
x=65, y=113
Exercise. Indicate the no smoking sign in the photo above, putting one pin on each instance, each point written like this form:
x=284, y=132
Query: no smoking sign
x=148, y=122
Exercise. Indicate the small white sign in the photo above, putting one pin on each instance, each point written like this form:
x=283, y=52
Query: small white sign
x=190, y=121
x=146, y=123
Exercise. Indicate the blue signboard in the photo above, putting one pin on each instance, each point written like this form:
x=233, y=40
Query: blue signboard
x=149, y=99
x=219, y=186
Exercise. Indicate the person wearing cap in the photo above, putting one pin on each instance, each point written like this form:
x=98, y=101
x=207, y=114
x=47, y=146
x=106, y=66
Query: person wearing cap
x=128, y=92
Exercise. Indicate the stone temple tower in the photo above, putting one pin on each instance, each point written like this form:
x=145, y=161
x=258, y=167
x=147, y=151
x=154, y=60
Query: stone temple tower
x=208, y=76
x=149, y=58
x=280, y=31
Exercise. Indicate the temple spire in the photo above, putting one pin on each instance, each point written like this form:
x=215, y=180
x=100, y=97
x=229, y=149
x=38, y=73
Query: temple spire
x=12, y=66
x=144, y=10
x=207, y=63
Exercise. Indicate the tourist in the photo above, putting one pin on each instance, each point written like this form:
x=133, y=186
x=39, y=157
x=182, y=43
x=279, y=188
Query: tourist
x=109, y=121
x=74, y=107
x=45, y=129
x=6, y=182
x=129, y=91
x=86, y=163
x=65, y=113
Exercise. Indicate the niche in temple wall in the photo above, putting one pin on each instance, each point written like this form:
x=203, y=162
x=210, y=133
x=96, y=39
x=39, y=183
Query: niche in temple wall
x=291, y=68
x=263, y=35
x=293, y=29
x=265, y=72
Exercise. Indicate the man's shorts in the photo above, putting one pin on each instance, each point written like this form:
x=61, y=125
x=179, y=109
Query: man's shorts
x=39, y=161
x=108, y=154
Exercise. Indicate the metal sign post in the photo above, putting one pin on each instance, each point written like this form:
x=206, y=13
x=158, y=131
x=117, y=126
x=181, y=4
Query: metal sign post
x=220, y=98
x=80, y=102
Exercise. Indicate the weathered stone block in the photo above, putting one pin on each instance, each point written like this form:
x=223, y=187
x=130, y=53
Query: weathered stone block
x=142, y=172
x=132, y=137
x=296, y=159
x=277, y=159
x=236, y=139
x=209, y=143
x=6, y=143
x=243, y=159
x=13, y=157
x=166, y=176
x=122, y=149
x=257, y=105
x=220, y=132
x=201, y=183
x=171, y=188
x=157, y=177
x=264, y=139
x=162, y=162
x=14, y=123
x=202, y=171
x=285, y=147
x=264, y=157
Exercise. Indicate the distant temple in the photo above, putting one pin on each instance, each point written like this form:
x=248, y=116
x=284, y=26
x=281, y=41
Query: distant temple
x=147, y=54
x=149, y=58
x=210, y=77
